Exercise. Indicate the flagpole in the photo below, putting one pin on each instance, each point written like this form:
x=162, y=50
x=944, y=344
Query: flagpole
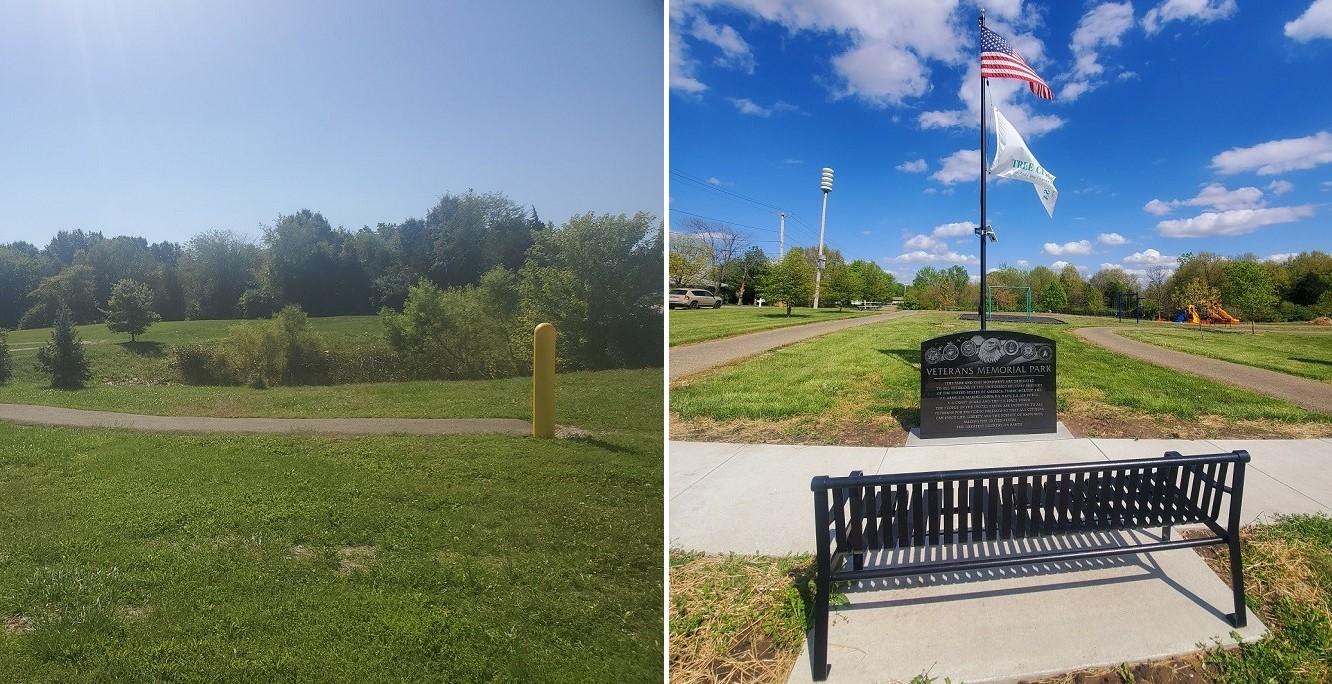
x=982, y=230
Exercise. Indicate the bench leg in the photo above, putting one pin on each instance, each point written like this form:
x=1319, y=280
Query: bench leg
x=818, y=648
x=1165, y=533
x=1240, y=617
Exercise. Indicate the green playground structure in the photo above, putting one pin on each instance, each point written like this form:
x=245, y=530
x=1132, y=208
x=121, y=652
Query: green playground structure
x=989, y=298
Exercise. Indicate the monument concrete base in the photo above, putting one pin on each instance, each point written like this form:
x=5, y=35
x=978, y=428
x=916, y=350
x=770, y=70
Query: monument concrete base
x=1061, y=432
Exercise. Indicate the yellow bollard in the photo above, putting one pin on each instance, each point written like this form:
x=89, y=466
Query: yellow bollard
x=543, y=381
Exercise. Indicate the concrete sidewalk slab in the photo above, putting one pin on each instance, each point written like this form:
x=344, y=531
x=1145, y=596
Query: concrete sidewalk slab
x=1305, y=464
x=1061, y=432
x=1265, y=496
x=1032, y=621
x=690, y=465
x=992, y=455
x=758, y=500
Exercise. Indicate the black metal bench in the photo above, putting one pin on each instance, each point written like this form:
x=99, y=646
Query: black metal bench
x=859, y=516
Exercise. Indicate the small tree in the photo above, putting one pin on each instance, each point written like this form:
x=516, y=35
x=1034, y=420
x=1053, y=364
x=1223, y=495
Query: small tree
x=1054, y=298
x=6, y=365
x=64, y=356
x=130, y=308
x=789, y=280
x=1250, y=292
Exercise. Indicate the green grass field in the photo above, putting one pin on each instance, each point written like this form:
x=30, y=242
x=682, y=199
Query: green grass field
x=1306, y=353
x=697, y=325
x=129, y=556
x=862, y=386
x=129, y=381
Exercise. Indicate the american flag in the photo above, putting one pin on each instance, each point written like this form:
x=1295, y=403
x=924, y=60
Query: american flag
x=1000, y=60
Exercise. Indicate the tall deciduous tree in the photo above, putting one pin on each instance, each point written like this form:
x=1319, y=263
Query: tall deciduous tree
x=789, y=281
x=1249, y=291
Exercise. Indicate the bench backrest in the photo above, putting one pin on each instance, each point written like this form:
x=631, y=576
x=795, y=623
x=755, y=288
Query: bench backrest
x=864, y=513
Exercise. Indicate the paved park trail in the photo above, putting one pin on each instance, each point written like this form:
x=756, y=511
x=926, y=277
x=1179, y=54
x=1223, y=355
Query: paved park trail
x=1309, y=394
x=689, y=359
x=51, y=415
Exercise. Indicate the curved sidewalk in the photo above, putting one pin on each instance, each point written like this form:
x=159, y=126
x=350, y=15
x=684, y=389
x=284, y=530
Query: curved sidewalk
x=51, y=415
x=695, y=358
x=1309, y=394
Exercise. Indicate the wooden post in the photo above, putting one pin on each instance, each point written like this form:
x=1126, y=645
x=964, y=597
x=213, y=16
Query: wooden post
x=543, y=381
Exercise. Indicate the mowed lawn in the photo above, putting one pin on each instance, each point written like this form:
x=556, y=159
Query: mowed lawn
x=135, y=557
x=139, y=379
x=1306, y=353
x=862, y=386
x=697, y=325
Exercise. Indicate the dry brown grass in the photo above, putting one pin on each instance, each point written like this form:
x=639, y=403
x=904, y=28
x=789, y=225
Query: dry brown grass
x=735, y=619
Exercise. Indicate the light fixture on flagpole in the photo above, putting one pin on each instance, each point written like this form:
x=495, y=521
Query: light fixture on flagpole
x=825, y=184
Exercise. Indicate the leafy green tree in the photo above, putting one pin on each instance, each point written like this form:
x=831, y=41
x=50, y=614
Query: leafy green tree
x=64, y=357
x=841, y=285
x=72, y=288
x=314, y=266
x=216, y=267
x=1250, y=292
x=6, y=363
x=1054, y=298
x=789, y=281
x=1197, y=292
x=20, y=273
x=130, y=308
x=465, y=332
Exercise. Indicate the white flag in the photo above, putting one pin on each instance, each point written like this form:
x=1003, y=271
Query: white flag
x=1012, y=159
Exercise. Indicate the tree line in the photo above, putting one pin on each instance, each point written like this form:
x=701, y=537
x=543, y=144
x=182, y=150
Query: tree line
x=715, y=256
x=496, y=265
x=1298, y=288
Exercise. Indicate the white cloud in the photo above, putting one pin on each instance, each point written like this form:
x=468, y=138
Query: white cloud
x=1111, y=239
x=1126, y=76
x=735, y=52
x=915, y=166
x=958, y=167
x=792, y=162
x=925, y=242
x=1325, y=186
x=921, y=256
x=1023, y=263
x=1007, y=94
x=1150, y=257
x=747, y=106
x=943, y=119
x=682, y=67
x=713, y=180
x=952, y=230
x=1233, y=222
x=1316, y=22
x=1284, y=256
x=1280, y=187
x=1061, y=265
x=1056, y=249
x=1277, y=156
x=1157, y=207
x=1213, y=196
x=1179, y=10
x=881, y=73
x=1101, y=27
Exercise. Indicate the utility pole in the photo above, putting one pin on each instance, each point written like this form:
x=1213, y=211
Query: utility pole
x=825, y=184
x=781, y=235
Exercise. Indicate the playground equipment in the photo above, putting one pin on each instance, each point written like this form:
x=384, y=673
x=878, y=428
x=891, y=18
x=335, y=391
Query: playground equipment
x=989, y=298
x=1216, y=315
x=1128, y=303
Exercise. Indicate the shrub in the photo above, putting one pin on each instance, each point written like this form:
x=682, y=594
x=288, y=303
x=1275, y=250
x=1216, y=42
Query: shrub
x=6, y=364
x=462, y=333
x=280, y=351
x=257, y=302
x=201, y=364
x=64, y=356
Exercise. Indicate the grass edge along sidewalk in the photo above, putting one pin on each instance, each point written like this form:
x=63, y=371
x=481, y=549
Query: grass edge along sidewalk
x=689, y=326
x=737, y=618
x=1275, y=350
x=126, y=555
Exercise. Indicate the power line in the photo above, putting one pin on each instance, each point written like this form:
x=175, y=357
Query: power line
x=745, y=198
x=730, y=223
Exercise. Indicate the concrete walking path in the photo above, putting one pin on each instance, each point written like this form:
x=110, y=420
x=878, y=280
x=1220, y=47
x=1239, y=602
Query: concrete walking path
x=1303, y=392
x=51, y=415
x=694, y=358
x=987, y=626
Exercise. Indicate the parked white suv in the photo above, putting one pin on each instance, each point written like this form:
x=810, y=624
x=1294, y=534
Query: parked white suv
x=694, y=298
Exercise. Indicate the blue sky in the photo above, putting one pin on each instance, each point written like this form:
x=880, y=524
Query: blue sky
x=164, y=119
x=1177, y=126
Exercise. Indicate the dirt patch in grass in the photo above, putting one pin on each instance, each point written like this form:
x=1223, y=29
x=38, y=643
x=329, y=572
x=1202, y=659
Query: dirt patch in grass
x=17, y=624
x=735, y=618
x=300, y=552
x=1086, y=419
x=1190, y=669
x=802, y=430
x=354, y=558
